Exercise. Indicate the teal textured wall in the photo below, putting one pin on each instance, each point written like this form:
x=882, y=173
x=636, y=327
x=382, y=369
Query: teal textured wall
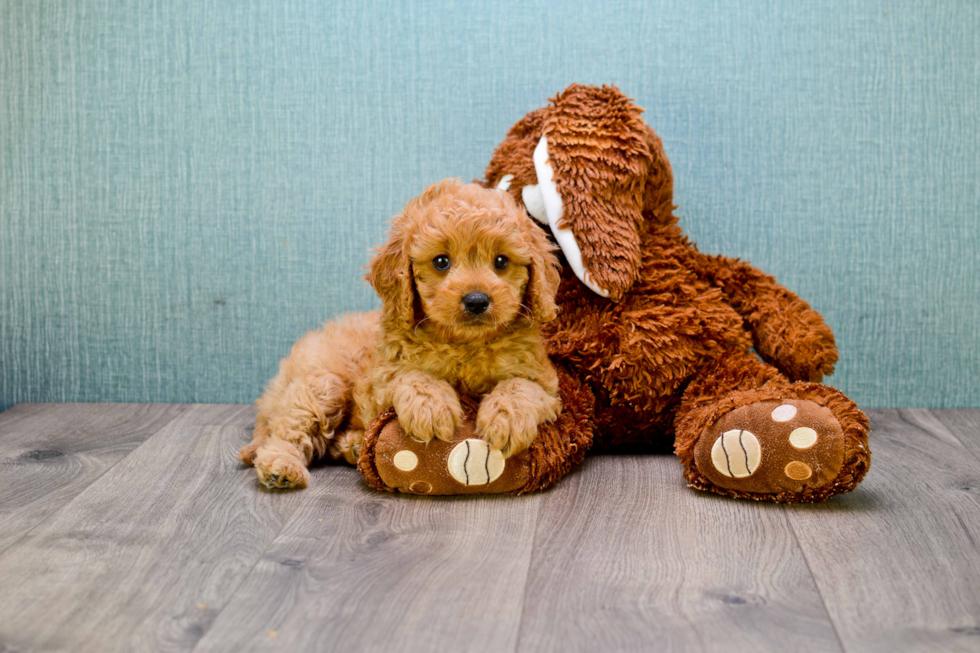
x=188, y=186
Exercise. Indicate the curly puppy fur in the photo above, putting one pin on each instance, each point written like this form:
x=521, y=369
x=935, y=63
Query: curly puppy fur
x=431, y=339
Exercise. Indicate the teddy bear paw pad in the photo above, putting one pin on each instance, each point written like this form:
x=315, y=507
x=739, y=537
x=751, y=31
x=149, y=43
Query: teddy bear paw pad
x=473, y=462
x=772, y=446
x=736, y=454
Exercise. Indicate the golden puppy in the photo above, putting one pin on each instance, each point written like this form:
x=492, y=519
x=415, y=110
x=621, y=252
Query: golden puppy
x=464, y=279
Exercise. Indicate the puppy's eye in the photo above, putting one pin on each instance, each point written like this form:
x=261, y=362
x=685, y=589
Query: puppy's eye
x=501, y=262
x=441, y=262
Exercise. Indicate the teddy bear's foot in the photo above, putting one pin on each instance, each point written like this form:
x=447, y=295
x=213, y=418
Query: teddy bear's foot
x=391, y=460
x=772, y=446
x=466, y=465
x=783, y=449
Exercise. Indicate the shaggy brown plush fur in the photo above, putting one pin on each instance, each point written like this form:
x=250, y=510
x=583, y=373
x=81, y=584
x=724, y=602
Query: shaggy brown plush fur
x=667, y=353
x=452, y=246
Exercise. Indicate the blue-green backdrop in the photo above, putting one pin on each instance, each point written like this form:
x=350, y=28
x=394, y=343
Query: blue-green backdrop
x=186, y=186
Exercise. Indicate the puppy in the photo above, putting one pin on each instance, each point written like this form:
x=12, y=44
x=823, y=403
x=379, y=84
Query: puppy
x=465, y=280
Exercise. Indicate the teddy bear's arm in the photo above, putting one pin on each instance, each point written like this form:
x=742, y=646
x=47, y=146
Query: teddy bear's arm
x=786, y=331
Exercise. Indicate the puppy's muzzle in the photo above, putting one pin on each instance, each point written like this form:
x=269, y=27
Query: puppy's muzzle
x=476, y=303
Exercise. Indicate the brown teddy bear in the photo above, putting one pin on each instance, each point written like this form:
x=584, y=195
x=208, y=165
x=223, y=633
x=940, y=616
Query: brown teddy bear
x=653, y=339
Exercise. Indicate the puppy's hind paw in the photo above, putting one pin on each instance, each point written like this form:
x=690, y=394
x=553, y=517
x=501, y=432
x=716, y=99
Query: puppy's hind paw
x=280, y=470
x=247, y=453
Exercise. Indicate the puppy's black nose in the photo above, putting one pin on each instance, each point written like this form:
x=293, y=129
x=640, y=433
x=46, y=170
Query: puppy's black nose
x=476, y=303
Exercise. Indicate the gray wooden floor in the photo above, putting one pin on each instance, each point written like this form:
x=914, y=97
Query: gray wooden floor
x=133, y=528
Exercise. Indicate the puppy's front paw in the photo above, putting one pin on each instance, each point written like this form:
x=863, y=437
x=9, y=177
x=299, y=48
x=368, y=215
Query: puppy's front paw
x=279, y=469
x=429, y=417
x=505, y=426
x=427, y=407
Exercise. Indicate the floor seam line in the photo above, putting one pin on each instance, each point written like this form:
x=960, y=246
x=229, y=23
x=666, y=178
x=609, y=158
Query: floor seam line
x=932, y=413
x=816, y=583
x=527, y=575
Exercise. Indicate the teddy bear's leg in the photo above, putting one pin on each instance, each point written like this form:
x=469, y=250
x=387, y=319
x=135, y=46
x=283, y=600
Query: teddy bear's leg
x=744, y=430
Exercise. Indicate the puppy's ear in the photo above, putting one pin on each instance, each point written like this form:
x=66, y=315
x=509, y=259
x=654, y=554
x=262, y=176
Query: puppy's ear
x=543, y=273
x=391, y=275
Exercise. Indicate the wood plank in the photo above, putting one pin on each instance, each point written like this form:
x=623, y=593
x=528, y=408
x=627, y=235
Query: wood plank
x=898, y=561
x=629, y=559
x=146, y=556
x=360, y=570
x=622, y=556
x=964, y=424
x=49, y=453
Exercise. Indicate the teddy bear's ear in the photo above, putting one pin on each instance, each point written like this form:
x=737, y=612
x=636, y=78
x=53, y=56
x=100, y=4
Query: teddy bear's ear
x=658, y=196
x=592, y=162
x=511, y=166
x=591, y=171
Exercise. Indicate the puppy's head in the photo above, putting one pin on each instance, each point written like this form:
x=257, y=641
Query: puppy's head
x=466, y=259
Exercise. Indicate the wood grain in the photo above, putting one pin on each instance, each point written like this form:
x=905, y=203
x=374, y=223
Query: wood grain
x=143, y=559
x=627, y=558
x=964, y=424
x=898, y=561
x=165, y=543
x=49, y=453
x=359, y=570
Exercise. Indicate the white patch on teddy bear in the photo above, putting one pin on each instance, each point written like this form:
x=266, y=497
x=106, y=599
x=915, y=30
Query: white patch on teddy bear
x=553, y=208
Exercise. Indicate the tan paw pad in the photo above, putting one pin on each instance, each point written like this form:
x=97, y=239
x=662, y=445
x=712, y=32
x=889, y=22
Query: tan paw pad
x=803, y=437
x=798, y=471
x=405, y=460
x=784, y=413
x=420, y=487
